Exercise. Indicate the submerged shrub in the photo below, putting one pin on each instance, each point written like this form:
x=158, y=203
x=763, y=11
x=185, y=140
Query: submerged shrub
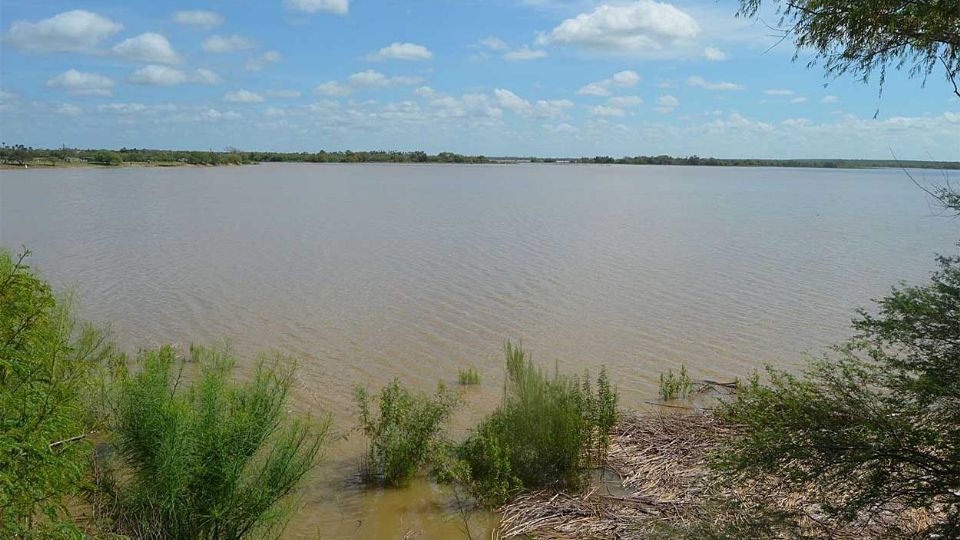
x=214, y=459
x=402, y=433
x=468, y=376
x=675, y=386
x=546, y=432
x=47, y=368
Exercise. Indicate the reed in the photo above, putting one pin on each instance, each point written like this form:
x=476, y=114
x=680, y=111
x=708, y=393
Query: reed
x=467, y=377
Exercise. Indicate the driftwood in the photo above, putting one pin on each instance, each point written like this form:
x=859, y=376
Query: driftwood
x=661, y=460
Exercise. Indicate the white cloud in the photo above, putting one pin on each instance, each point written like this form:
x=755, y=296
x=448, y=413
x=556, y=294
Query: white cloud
x=799, y=99
x=602, y=88
x=199, y=18
x=82, y=84
x=227, y=44
x=338, y=7
x=69, y=110
x=494, y=44
x=559, y=128
x=524, y=53
x=206, y=76
x=261, y=61
x=425, y=92
x=333, y=88
x=70, y=31
x=147, y=47
x=285, y=94
x=666, y=104
x=243, y=96
x=511, y=101
x=375, y=78
x=625, y=101
x=779, y=92
x=603, y=110
x=154, y=75
x=702, y=83
x=641, y=27
x=401, y=51
x=714, y=54
x=829, y=99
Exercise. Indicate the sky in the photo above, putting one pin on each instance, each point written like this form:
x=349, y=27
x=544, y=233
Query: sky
x=491, y=77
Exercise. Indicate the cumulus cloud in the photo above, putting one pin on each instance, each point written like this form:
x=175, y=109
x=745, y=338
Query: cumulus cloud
x=206, y=76
x=425, y=92
x=375, y=78
x=147, y=47
x=227, y=44
x=494, y=44
x=714, y=54
x=154, y=75
x=799, y=99
x=603, y=110
x=82, y=84
x=640, y=27
x=333, y=88
x=722, y=85
x=337, y=7
x=524, y=53
x=602, y=88
x=70, y=31
x=625, y=101
x=401, y=51
x=829, y=99
x=69, y=109
x=199, y=18
x=263, y=60
x=666, y=104
x=285, y=94
x=243, y=96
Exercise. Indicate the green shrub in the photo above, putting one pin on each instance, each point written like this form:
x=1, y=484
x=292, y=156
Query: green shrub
x=675, y=386
x=47, y=368
x=401, y=435
x=214, y=460
x=468, y=376
x=546, y=432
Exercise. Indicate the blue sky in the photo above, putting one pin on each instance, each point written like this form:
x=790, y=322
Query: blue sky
x=494, y=77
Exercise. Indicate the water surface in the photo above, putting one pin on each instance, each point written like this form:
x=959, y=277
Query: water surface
x=369, y=272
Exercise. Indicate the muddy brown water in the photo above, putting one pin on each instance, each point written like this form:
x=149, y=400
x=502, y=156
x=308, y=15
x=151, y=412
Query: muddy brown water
x=369, y=272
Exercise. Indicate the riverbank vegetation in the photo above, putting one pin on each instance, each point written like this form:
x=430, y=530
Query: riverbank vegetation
x=20, y=156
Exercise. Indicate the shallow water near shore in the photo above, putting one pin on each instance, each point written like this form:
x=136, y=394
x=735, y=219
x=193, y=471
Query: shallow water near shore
x=369, y=272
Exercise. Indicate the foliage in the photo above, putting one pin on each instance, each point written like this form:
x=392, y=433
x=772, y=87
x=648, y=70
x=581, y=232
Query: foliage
x=402, y=434
x=47, y=368
x=546, y=432
x=216, y=460
x=468, y=376
x=862, y=36
x=874, y=426
x=675, y=386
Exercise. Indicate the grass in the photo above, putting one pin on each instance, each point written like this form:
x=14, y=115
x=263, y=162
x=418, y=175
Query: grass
x=215, y=459
x=403, y=432
x=547, y=432
x=675, y=386
x=468, y=376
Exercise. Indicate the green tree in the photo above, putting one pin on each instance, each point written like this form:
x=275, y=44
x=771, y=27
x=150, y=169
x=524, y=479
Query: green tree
x=47, y=363
x=874, y=427
x=860, y=37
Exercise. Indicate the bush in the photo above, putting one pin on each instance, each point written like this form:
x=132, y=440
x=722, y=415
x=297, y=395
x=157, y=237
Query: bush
x=47, y=368
x=402, y=435
x=546, y=432
x=468, y=376
x=214, y=460
x=675, y=386
x=873, y=428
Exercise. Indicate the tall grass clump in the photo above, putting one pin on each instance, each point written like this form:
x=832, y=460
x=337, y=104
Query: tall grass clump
x=468, y=376
x=215, y=459
x=675, y=386
x=48, y=369
x=403, y=432
x=547, y=432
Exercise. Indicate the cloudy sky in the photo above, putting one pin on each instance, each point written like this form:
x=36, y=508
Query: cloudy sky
x=493, y=77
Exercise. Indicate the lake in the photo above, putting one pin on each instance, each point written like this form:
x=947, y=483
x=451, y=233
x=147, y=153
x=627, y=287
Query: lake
x=368, y=272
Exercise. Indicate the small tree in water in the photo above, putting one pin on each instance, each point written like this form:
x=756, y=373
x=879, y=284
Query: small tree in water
x=214, y=460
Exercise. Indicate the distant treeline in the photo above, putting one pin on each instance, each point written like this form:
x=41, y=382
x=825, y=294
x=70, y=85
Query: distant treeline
x=23, y=155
